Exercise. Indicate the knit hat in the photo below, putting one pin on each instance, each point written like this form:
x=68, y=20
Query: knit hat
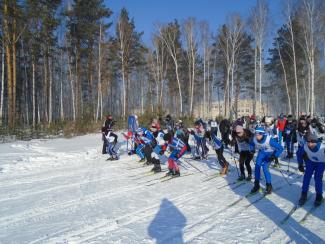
x=310, y=137
x=260, y=130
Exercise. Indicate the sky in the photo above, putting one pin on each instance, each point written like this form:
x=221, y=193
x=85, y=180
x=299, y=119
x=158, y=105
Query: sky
x=147, y=12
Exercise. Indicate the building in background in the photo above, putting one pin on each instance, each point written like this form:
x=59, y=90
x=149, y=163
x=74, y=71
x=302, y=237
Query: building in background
x=245, y=107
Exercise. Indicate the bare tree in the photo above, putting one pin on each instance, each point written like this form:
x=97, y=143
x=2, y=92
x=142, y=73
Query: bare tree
x=190, y=33
x=169, y=35
x=310, y=17
x=258, y=24
x=285, y=77
x=2, y=80
x=289, y=14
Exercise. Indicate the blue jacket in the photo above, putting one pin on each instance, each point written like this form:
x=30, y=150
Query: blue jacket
x=216, y=141
x=267, y=145
x=316, y=155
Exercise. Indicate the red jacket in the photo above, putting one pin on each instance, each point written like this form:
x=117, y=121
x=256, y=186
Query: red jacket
x=281, y=124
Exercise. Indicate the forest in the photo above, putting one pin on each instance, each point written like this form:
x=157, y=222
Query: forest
x=69, y=62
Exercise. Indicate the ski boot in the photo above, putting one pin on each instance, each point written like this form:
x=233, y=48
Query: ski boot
x=224, y=170
x=142, y=160
x=318, y=200
x=249, y=177
x=256, y=186
x=301, y=168
x=241, y=177
x=156, y=168
x=303, y=198
x=291, y=155
x=170, y=172
x=176, y=174
x=114, y=157
x=268, y=189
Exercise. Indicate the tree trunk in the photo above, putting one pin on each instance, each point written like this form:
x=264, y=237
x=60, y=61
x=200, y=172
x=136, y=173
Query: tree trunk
x=50, y=90
x=33, y=91
x=2, y=80
x=61, y=89
x=285, y=79
x=255, y=79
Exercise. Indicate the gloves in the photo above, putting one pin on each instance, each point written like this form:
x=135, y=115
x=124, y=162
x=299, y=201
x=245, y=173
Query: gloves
x=301, y=168
x=161, y=152
x=192, y=132
x=272, y=158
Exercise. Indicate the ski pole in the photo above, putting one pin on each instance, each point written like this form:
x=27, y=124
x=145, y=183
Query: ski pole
x=285, y=177
x=186, y=161
x=235, y=161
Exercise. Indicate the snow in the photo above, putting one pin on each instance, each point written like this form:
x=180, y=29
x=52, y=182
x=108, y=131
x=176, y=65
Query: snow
x=64, y=191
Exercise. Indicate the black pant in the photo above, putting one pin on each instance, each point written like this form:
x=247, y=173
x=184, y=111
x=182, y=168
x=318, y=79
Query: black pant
x=222, y=161
x=147, y=150
x=245, y=157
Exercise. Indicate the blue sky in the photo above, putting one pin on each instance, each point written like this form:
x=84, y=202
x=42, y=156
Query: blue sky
x=148, y=12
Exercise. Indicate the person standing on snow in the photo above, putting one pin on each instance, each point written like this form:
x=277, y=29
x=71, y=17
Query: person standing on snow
x=243, y=139
x=315, y=164
x=199, y=136
x=178, y=149
x=302, y=130
x=217, y=145
x=268, y=149
x=290, y=136
x=280, y=127
x=148, y=142
x=108, y=128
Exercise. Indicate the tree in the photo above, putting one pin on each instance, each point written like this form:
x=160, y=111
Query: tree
x=170, y=34
x=258, y=23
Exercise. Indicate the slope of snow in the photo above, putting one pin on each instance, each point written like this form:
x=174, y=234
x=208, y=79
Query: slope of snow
x=64, y=191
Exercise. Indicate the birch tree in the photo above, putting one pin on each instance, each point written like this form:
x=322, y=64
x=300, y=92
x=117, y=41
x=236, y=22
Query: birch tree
x=170, y=35
x=258, y=24
x=190, y=33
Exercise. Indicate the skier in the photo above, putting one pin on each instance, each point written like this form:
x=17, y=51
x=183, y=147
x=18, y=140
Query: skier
x=280, y=127
x=108, y=127
x=169, y=124
x=132, y=129
x=148, y=142
x=243, y=138
x=182, y=133
x=252, y=123
x=213, y=126
x=178, y=148
x=290, y=136
x=269, y=127
x=268, y=150
x=224, y=128
x=316, y=127
x=199, y=136
x=217, y=145
x=315, y=164
x=302, y=130
x=158, y=135
x=111, y=141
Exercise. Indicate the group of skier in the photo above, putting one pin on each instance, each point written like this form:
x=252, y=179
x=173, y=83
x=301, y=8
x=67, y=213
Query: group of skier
x=247, y=135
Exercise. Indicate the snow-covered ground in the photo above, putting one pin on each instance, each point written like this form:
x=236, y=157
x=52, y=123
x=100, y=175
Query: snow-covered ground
x=64, y=191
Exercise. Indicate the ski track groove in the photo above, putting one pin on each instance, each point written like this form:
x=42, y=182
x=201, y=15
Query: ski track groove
x=204, y=228
x=40, y=211
x=105, y=226
x=60, y=187
x=35, y=178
